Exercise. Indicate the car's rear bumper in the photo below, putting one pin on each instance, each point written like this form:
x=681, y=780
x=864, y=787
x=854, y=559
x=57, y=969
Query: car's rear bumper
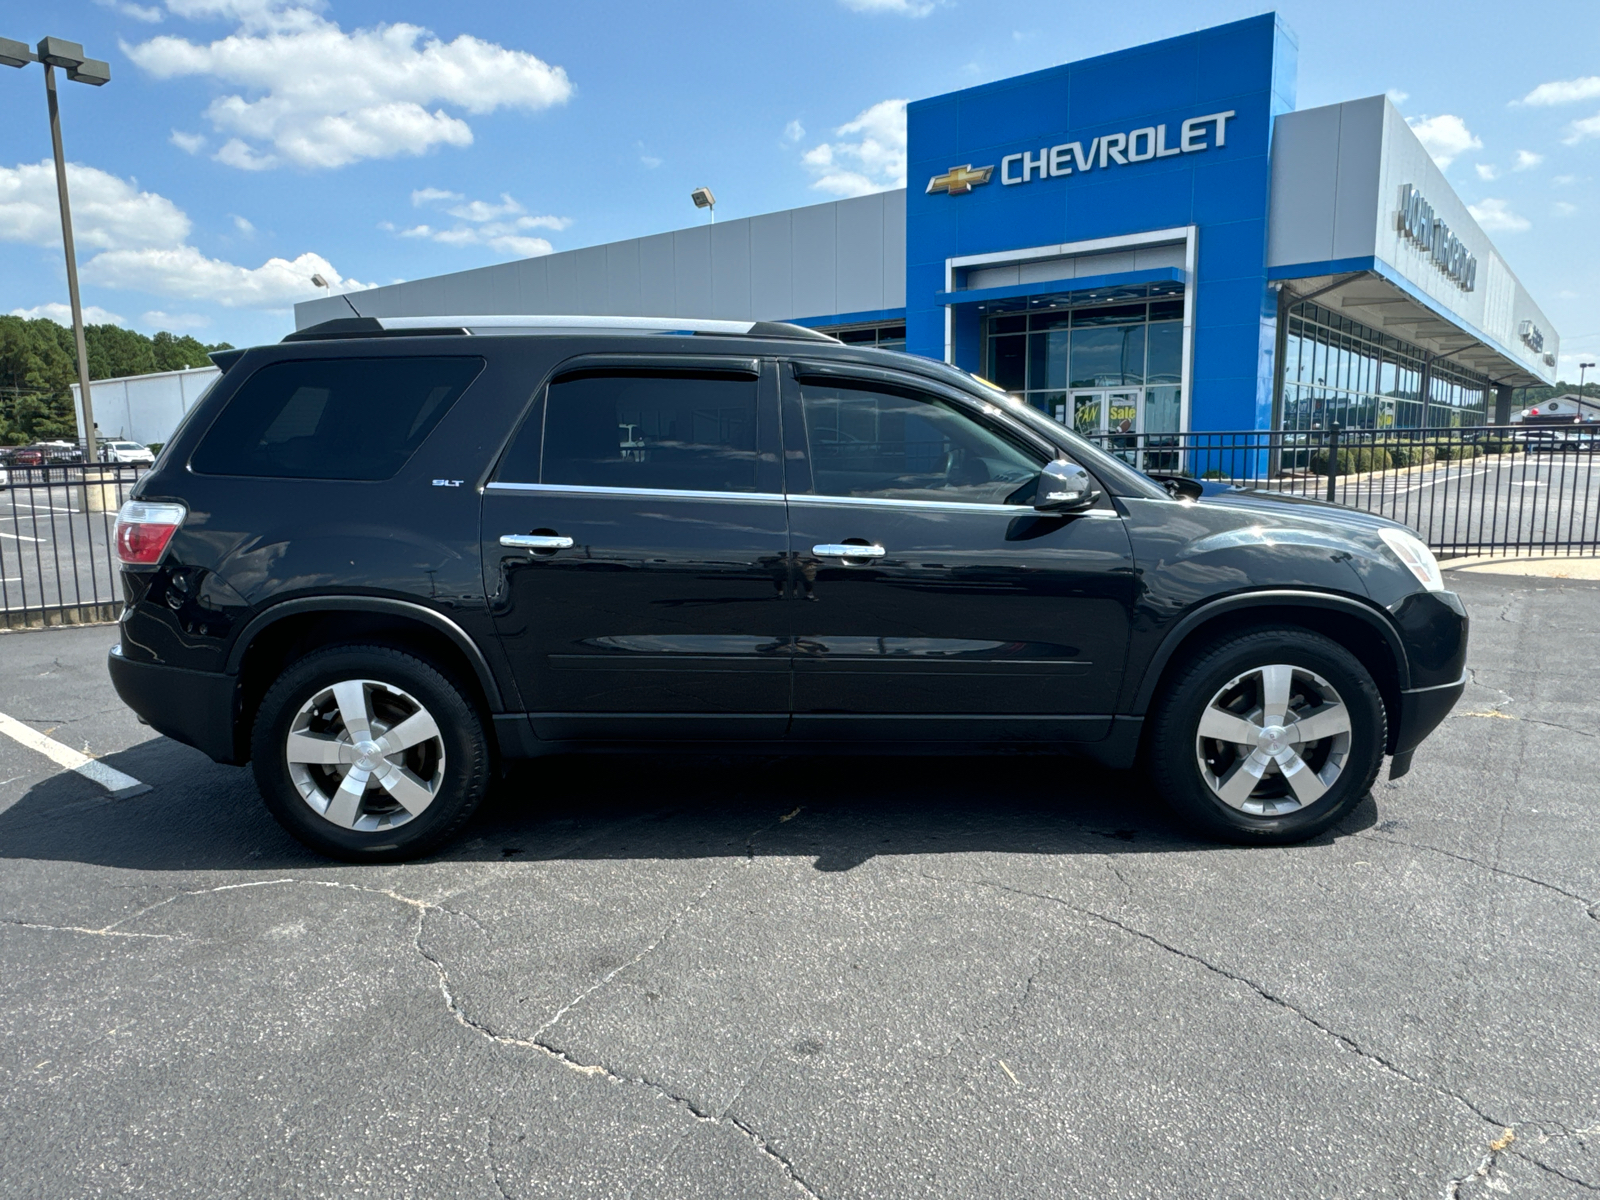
x=1421, y=711
x=193, y=707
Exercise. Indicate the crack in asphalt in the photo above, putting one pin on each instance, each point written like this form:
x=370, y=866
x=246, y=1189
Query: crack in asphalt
x=1452, y=1187
x=104, y=931
x=422, y=908
x=605, y=979
x=1591, y=907
x=1345, y=1040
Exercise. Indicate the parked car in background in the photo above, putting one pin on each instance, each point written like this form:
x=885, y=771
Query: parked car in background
x=58, y=452
x=126, y=452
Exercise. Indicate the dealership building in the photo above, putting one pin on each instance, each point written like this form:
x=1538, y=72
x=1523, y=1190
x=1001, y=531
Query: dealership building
x=1150, y=241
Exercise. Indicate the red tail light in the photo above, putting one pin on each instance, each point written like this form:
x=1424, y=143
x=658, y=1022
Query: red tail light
x=144, y=529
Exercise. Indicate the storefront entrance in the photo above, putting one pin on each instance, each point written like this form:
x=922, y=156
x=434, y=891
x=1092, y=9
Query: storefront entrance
x=1108, y=366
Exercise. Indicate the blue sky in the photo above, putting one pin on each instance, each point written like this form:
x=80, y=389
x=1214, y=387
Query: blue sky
x=244, y=145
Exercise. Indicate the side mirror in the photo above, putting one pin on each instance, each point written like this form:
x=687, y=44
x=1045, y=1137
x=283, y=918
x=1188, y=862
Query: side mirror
x=1064, y=487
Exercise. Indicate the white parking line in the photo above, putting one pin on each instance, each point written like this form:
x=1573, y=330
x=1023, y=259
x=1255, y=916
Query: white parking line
x=20, y=537
x=114, y=781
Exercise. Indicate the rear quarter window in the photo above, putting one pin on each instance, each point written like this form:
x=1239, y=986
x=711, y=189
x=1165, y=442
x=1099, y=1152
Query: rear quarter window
x=333, y=418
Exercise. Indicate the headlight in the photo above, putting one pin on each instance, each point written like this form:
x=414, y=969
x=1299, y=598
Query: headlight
x=1419, y=560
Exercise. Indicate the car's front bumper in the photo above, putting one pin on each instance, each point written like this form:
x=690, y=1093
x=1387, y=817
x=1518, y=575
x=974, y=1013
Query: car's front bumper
x=193, y=707
x=1421, y=711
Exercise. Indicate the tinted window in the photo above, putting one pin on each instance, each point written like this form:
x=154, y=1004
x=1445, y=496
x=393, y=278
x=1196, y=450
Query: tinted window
x=678, y=430
x=886, y=445
x=333, y=418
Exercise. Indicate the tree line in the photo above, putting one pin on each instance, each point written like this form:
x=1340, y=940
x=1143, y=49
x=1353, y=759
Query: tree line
x=39, y=365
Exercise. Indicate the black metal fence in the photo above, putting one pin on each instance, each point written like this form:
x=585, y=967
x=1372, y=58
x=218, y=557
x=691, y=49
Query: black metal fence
x=57, y=562
x=1484, y=490
x=1507, y=489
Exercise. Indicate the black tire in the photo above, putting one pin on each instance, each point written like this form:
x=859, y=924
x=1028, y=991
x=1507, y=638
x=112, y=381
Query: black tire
x=1175, y=754
x=463, y=770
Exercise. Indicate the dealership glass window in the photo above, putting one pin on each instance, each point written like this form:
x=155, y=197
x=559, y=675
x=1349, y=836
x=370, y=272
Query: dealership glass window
x=1131, y=339
x=1336, y=369
x=884, y=337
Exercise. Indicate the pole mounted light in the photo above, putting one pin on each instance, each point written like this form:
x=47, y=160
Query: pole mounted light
x=52, y=53
x=703, y=198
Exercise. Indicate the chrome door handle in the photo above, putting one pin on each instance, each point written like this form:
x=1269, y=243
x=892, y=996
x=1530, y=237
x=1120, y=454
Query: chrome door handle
x=535, y=541
x=830, y=550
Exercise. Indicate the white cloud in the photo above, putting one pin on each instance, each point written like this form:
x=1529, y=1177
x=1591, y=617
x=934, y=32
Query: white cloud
x=107, y=212
x=1444, y=137
x=143, y=241
x=176, y=322
x=650, y=161
x=794, y=131
x=433, y=195
x=315, y=96
x=139, y=12
x=1397, y=97
x=1527, y=160
x=236, y=152
x=189, y=143
x=1587, y=128
x=1487, y=171
x=873, y=162
x=1495, y=216
x=904, y=8
x=184, y=273
x=61, y=314
x=1564, y=180
x=243, y=225
x=503, y=227
x=1563, y=91
x=1564, y=209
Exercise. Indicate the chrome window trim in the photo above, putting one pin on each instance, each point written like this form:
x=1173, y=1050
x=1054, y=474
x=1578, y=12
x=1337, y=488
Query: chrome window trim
x=1011, y=510
x=586, y=489
x=580, y=489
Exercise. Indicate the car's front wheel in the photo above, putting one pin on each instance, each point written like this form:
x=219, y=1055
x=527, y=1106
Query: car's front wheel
x=1267, y=737
x=369, y=754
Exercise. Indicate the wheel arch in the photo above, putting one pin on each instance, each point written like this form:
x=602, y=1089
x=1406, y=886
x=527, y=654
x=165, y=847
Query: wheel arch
x=295, y=627
x=1358, y=627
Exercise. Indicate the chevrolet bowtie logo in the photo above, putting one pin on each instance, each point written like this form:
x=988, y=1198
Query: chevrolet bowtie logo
x=958, y=181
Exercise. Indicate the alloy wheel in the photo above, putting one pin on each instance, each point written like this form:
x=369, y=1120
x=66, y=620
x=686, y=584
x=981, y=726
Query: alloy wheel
x=1273, y=739
x=365, y=755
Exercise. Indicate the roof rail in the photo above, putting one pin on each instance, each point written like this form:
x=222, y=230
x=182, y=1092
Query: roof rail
x=355, y=327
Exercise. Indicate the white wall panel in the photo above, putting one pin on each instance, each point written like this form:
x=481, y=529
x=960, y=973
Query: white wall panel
x=841, y=256
x=730, y=271
x=858, y=254
x=691, y=251
x=815, y=230
x=657, y=286
x=772, y=267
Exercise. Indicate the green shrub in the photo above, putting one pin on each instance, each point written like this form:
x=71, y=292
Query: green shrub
x=1500, y=446
x=1211, y=474
x=1412, y=456
x=1458, y=453
x=1352, y=460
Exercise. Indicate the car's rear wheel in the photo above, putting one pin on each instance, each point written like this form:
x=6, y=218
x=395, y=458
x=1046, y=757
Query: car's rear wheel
x=369, y=754
x=1267, y=737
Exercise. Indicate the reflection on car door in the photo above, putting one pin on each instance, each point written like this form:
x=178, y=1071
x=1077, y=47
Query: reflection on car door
x=934, y=599
x=634, y=541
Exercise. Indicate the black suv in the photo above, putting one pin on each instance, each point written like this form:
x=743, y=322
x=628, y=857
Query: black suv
x=381, y=559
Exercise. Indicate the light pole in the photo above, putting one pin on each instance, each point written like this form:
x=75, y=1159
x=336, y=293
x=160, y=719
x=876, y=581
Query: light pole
x=1582, y=367
x=703, y=198
x=53, y=53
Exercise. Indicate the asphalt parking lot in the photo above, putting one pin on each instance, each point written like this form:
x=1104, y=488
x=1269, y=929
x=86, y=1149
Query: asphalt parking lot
x=835, y=978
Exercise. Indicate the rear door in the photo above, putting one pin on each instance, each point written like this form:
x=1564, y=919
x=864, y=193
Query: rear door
x=634, y=549
x=941, y=603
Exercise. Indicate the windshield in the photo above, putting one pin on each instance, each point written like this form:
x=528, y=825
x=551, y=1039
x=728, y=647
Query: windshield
x=1108, y=466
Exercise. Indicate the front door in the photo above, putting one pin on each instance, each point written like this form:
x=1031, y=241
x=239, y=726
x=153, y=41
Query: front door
x=936, y=602
x=634, y=543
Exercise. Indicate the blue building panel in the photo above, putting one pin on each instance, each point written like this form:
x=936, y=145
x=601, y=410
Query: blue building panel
x=1132, y=105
